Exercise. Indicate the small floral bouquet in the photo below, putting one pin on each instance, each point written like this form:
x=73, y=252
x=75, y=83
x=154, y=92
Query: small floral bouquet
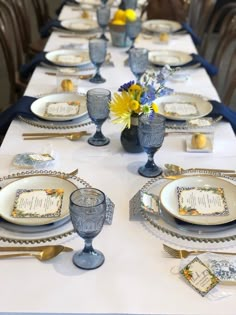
x=139, y=98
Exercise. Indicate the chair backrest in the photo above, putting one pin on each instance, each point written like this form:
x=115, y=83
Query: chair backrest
x=222, y=19
x=225, y=60
x=199, y=14
x=8, y=63
x=41, y=11
x=229, y=97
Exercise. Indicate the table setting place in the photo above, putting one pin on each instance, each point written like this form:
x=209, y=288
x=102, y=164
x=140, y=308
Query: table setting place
x=117, y=100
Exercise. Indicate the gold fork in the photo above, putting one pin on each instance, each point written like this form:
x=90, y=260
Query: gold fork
x=180, y=253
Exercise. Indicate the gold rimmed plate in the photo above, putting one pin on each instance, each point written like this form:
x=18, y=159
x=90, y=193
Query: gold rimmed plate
x=39, y=106
x=183, y=106
x=169, y=199
x=161, y=26
x=8, y=196
x=171, y=57
x=68, y=57
x=79, y=25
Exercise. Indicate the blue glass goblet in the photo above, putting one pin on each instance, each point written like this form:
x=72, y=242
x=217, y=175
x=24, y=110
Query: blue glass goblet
x=130, y=4
x=104, y=2
x=138, y=62
x=97, y=54
x=103, y=18
x=88, y=213
x=151, y=132
x=132, y=30
x=98, y=109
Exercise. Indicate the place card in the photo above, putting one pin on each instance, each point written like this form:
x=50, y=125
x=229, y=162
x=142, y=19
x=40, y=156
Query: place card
x=202, y=201
x=69, y=59
x=199, y=276
x=38, y=203
x=150, y=203
x=41, y=157
x=180, y=109
x=62, y=109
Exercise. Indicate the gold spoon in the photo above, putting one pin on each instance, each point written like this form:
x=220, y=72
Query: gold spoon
x=177, y=169
x=71, y=137
x=80, y=76
x=44, y=255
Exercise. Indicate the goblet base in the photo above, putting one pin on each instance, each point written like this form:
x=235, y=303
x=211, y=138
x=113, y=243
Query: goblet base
x=88, y=261
x=98, y=142
x=97, y=79
x=150, y=172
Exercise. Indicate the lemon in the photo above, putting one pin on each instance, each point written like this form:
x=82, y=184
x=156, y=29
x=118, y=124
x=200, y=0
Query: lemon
x=130, y=15
x=120, y=15
x=118, y=22
x=199, y=141
x=67, y=85
x=164, y=37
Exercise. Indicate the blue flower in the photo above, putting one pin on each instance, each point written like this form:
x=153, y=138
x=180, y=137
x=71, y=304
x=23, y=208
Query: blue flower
x=165, y=91
x=125, y=86
x=149, y=95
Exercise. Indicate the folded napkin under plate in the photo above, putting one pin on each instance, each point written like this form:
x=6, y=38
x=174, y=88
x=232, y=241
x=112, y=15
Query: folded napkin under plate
x=47, y=28
x=189, y=30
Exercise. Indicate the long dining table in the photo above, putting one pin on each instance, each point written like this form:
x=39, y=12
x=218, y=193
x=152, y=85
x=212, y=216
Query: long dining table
x=138, y=276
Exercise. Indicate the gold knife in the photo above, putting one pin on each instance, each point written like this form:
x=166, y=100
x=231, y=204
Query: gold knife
x=32, y=248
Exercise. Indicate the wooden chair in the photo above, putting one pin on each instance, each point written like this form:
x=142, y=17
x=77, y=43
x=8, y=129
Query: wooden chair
x=229, y=97
x=199, y=14
x=12, y=50
x=223, y=17
x=224, y=58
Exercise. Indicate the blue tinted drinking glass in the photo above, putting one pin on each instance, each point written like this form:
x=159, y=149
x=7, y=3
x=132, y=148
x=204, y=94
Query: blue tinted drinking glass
x=130, y=4
x=151, y=131
x=98, y=109
x=97, y=54
x=103, y=18
x=88, y=212
x=138, y=62
x=132, y=30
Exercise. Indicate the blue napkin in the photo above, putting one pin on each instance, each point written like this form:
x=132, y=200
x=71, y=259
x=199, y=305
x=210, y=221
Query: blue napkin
x=210, y=68
x=46, y=29
x=28, y=68
x=58, y=11
x=21, y=107
x=188, y=29
x=225, y=111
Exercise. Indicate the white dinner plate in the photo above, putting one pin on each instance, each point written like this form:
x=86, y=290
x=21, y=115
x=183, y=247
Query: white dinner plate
x=90, y=2
x=79, y=25
x=161, y=26
x=38, y=107
x=192, y=106
x=169, y=199
x=68, y=57
x=171, y=57
x=8, y=195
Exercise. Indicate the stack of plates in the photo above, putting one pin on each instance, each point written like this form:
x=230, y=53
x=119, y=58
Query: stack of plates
x=34, y=224
x=207, y=223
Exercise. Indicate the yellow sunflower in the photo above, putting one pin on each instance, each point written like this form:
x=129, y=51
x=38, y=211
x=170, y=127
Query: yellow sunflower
x=121, y=107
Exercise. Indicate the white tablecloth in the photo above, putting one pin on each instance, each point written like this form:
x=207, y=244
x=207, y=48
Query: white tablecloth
x=138, y=277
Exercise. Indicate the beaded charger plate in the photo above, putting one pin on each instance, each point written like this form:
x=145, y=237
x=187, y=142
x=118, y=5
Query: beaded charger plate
x=171, y=230
x=27, y=234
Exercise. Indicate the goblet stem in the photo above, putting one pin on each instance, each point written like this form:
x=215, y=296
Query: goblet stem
x=103, y=36
x=131, y=46
x=88, y=248
x=98, y=139
x=97, y=78
x=150, y=169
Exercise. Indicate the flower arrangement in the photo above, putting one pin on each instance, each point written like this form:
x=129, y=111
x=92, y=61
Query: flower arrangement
x=139, y=98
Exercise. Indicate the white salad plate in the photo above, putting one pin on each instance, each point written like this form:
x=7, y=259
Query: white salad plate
x=184, y=106
x=90, y=2
x=171, y=57
x=8, y=195
x=169, y=198
x=79, y=25
x=39, y=106
x=68, y=57
x=161, y=26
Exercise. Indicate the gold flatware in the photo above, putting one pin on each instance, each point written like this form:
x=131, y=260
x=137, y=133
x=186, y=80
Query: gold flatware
x=71, y=136
x=47, y=253
x=28, y=134
x=180, y=253
x=80, y=76
x=177, y=169
x=77, y=36
x=62, y=175
x=33, y=248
